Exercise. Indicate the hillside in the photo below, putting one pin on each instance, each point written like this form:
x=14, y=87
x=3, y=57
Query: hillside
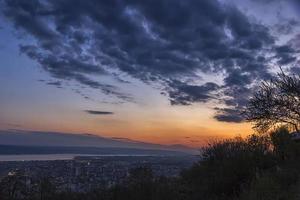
x=57, y=139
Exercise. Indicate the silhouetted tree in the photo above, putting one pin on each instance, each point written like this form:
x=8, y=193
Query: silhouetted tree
x=276, y=102
x=281, y=140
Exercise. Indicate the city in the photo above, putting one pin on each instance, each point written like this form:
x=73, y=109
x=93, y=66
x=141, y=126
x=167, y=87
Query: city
x=85, y=173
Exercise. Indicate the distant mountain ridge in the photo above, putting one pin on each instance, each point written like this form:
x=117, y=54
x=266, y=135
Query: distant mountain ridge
x=58, y=139
x=43, y=150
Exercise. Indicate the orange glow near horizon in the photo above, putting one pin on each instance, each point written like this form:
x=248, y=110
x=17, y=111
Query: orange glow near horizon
x=151, y=119
x=191, y=134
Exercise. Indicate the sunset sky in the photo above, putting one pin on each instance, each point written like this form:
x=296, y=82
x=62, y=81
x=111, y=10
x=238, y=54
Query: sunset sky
x=160, y=71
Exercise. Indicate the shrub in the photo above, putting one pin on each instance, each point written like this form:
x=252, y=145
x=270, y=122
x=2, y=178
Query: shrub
x=273, y=185
x=228, y=166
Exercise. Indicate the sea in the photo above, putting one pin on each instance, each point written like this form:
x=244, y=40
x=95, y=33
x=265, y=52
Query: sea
x=41, y=157
x=38, y=157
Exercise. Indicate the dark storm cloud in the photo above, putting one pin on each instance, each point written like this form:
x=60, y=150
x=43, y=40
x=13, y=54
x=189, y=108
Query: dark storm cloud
x=173, y=43
x=96, y=112
x=286, y=54
x=182, y=93
x=228, y=115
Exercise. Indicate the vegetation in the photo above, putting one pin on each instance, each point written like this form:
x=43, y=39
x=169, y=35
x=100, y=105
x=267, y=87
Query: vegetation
x=276, y=102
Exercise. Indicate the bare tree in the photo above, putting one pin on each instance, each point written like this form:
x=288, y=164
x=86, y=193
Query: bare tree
x=276, y=102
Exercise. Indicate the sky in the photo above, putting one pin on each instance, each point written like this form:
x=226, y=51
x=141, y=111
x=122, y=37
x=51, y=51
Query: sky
x=159, y=71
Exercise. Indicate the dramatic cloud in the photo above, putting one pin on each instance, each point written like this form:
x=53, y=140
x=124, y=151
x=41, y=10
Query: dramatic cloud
x=182, y=93
x=173, y=43
x=228, y=115
x=96, y=112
